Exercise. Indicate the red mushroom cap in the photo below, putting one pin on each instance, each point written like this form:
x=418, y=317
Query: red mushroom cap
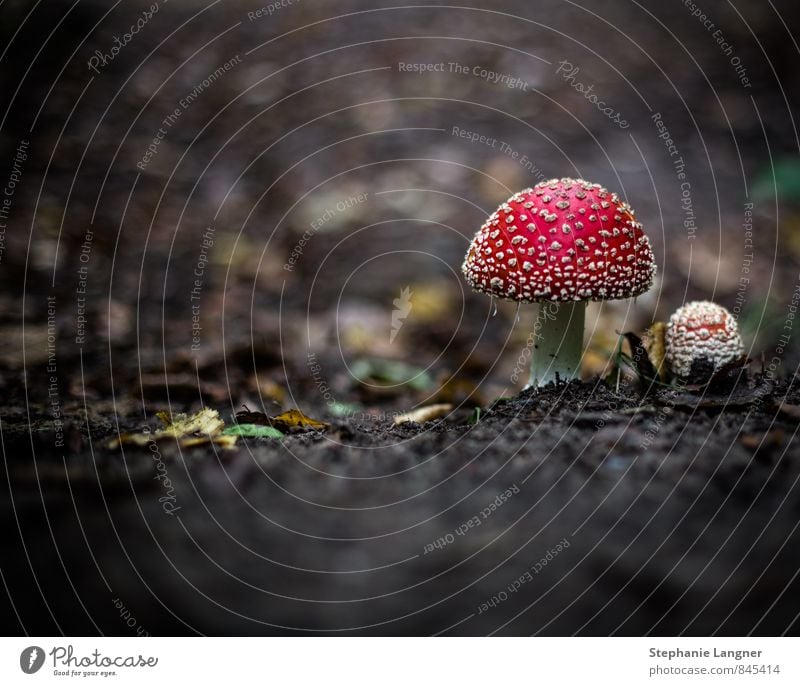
x=700, y=330
x=565, y=240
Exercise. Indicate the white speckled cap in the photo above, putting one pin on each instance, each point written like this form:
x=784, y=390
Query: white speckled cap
x=701, y=330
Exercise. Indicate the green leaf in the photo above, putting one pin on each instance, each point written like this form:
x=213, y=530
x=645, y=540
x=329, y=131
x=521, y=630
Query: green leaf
x=389, y=373
x=783, y=178
x=339, y=409
x=252, y=431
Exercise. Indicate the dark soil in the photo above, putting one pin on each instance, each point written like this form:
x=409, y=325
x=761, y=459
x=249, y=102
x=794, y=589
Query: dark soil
x=363, y=528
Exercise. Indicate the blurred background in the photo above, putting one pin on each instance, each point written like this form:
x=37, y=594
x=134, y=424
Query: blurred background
x=225, y=189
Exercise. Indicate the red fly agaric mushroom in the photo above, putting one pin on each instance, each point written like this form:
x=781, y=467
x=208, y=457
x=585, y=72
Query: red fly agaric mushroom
x=701, y=332
x=567, y=241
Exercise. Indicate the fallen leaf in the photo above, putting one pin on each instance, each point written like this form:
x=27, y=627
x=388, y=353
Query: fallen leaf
x=201, y=428
x=222, y=440
x=390, y=373
x=653, y=341
x=424, y=414
x=246, y=416
x=206, y=422
x=781, y=178
x=294, y=419
x=285, y=422
x=252, y=431
x=340, y=409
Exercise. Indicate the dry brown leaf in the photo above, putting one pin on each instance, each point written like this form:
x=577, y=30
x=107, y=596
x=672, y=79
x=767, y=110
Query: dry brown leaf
x=294, y=419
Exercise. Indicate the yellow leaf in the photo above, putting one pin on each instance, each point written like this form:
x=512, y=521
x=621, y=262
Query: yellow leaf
x=201, y=428
x=653, y=342
x=206, y=422
x=295, y=419
x=222, y=441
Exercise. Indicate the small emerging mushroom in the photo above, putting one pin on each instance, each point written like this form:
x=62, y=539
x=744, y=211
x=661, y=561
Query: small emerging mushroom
x=701, y=334
x=566, y=241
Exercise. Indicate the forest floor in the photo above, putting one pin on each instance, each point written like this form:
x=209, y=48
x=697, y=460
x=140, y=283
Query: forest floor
x=572, y=509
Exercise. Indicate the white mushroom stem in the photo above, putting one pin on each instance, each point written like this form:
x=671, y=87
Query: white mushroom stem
x=557, y=343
